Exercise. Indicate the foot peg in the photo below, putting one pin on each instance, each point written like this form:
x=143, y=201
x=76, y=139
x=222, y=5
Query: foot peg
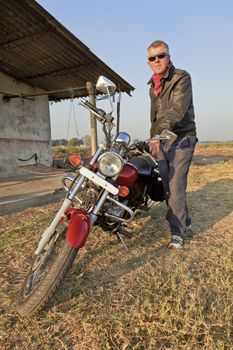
x=145, y=208
x=125, y=232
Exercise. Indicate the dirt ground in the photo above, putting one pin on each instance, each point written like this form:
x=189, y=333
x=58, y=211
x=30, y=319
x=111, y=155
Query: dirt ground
x=150, y=298
x=210, y=154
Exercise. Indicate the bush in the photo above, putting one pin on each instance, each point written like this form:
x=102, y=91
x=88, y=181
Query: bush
x=60, y=152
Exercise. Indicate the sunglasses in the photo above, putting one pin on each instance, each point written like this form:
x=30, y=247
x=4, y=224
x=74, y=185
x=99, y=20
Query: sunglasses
x=159, y=56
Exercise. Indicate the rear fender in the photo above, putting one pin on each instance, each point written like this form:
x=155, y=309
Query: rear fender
x=79, y=227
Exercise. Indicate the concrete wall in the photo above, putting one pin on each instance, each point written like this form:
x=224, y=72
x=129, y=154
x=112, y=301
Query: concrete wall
x=24, y=126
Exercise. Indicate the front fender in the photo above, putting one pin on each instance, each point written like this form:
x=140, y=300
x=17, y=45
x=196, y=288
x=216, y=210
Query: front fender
x=79, y=227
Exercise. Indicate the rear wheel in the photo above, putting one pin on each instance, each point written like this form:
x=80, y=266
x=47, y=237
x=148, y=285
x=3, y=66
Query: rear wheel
x=46, y=273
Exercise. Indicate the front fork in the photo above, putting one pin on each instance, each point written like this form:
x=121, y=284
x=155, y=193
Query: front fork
x=47, y=234
x=80, y=222
x=49, y=231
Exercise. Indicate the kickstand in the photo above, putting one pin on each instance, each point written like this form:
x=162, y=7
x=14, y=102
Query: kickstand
x=120, y=237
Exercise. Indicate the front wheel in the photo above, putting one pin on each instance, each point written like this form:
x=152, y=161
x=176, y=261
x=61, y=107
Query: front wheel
x=46, y=273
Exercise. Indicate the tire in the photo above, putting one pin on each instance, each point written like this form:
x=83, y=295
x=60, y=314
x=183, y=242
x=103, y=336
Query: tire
x=47, y=272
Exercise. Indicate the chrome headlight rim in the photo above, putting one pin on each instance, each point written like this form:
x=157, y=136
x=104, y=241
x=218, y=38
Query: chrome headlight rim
x=114, y=167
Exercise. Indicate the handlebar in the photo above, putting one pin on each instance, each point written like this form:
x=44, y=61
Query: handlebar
x=101, y=113
x=142, y=146
x=167, y=136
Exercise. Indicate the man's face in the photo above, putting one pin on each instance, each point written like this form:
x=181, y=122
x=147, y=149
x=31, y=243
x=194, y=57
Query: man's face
x=158, y=59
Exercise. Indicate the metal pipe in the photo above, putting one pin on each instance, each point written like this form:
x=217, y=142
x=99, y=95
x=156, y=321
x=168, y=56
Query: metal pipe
x=47, y=234
x=78, y=183
x=121, y=205
x=97, y=154
x=100, y=203
x=49, y=231
x=118, y=114
x=9, y=95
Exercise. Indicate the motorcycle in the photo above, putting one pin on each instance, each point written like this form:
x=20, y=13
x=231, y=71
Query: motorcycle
x=118, y=181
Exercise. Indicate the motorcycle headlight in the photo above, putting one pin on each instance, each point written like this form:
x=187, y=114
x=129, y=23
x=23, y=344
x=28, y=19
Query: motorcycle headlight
x=110, y=164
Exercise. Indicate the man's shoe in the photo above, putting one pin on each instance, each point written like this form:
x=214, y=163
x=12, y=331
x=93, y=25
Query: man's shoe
x=188, y=233
x=176, y=242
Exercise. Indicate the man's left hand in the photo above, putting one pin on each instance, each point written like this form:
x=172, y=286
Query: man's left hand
x=154, y=147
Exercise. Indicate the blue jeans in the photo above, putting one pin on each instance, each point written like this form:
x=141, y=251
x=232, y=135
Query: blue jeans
x=174, y=162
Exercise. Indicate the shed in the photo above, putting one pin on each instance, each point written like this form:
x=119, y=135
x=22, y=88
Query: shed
x=39, y=57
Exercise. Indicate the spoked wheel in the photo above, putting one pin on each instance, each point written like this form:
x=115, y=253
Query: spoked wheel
x=46, y=273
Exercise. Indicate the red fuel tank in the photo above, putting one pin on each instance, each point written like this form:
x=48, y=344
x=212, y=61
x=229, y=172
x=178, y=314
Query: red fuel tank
x=127, y=176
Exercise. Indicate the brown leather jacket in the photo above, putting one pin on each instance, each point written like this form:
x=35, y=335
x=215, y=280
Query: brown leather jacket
x=173, y=108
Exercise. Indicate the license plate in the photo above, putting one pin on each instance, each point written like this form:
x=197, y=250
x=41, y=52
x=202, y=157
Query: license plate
x=98, y=180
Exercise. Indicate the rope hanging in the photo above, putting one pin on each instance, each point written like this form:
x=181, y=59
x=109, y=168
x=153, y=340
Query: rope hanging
x=72, y=109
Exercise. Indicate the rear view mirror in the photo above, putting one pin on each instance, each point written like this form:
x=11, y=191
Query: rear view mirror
x=123, y=137
x=105, y=85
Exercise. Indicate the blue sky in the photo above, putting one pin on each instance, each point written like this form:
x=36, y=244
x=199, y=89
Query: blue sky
x=199, y=34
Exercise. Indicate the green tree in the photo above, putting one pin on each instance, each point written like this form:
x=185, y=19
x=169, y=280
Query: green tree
x=73, y=142
x=87, y=140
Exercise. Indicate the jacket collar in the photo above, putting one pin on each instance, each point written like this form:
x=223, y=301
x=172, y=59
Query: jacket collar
x=167, y=75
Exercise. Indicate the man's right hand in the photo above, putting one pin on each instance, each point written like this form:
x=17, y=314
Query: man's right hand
x=154, y=147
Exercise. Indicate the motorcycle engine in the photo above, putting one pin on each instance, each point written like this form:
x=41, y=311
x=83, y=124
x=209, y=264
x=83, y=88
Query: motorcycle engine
x=115, y=210
x=88, y=196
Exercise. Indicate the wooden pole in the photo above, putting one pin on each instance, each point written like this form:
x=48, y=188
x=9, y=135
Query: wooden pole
x=91, y=93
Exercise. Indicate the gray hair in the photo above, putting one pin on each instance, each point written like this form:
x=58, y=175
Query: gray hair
x=158, y=43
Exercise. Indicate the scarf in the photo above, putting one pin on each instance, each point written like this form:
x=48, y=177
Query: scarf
x=157, y=80
x=157, y=83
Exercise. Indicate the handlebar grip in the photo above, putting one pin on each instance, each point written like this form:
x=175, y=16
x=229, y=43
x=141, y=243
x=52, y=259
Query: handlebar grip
x=90, y=105
x=143, y=146
x=146, y=147
x=94, y=108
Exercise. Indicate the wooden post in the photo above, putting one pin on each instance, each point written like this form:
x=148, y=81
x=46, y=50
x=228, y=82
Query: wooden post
x=91, y=93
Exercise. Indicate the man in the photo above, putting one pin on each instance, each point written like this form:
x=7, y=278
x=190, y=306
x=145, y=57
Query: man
x=172, y=109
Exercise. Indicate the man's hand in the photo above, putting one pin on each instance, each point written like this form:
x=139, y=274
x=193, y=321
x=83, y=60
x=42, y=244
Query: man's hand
x=154, y=147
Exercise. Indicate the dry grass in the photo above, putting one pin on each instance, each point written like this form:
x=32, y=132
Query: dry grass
x=149, y=298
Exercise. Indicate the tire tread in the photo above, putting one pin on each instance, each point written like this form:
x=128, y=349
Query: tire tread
x=50, y=283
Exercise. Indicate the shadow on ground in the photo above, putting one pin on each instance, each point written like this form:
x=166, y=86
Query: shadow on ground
x=210, y=159
x=208, y=206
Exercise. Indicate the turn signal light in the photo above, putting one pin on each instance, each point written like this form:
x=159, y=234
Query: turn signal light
x=75, y=160
x=123, y=191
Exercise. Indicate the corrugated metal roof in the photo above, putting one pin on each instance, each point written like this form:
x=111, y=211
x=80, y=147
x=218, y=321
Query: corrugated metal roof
x=38, y=50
